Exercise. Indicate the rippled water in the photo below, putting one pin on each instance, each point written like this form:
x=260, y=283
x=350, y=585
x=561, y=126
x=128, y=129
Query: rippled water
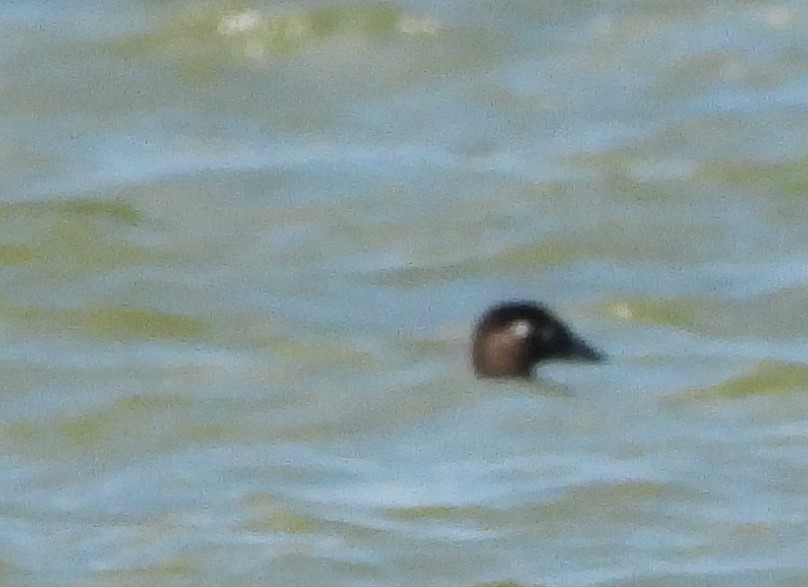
x=242, y=245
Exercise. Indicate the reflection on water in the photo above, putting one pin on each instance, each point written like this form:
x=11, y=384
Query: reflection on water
x=241, y=248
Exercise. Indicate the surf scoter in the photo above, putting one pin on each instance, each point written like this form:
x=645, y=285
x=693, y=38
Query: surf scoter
x=510, y=338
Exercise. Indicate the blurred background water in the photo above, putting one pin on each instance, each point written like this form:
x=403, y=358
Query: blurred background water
x=242, y=245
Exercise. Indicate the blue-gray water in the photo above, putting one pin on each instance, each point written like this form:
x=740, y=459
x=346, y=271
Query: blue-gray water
x=242, y=246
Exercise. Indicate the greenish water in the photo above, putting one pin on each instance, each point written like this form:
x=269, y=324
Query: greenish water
x=242, y=246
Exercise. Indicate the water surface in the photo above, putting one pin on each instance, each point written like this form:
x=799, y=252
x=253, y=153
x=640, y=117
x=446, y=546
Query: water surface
x=242, y=246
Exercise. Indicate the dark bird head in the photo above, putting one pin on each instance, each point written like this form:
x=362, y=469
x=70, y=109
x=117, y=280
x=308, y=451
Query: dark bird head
x=511, y=338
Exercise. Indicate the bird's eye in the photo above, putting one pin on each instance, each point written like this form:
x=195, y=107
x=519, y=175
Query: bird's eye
x=521, y=328
x=548, y=333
